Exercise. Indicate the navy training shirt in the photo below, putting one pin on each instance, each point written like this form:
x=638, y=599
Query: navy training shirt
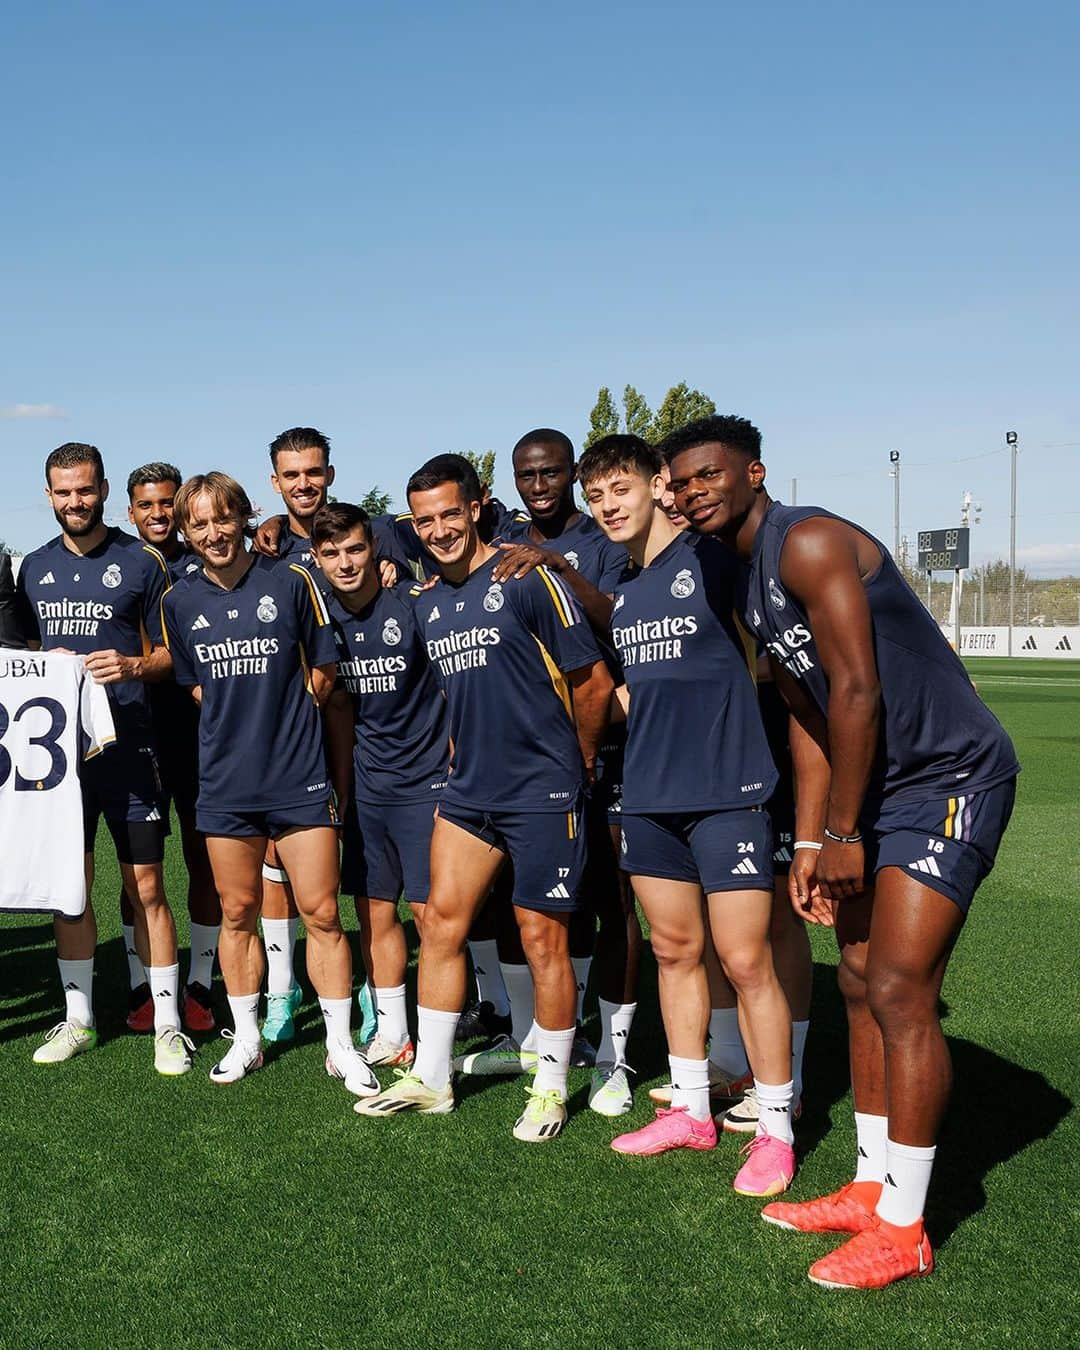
x=936, y=734
x=501, y=653
x=402, y=745
x=585, y=547
x=109, y=598
x=695, y=741
x=250, y=650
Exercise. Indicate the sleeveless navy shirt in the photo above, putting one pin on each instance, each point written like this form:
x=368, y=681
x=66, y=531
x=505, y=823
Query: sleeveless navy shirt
x=936, y=734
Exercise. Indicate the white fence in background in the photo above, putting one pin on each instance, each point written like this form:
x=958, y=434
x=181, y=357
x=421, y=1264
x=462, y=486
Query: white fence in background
x=1057, y=643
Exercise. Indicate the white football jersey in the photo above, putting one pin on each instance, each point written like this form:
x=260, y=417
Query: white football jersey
x=52, y=716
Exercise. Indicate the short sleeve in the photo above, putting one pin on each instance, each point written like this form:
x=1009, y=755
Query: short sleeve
x=157, y=583
x=176, y=640
x=387, y=548
x=95, y=716
x=316, y=630
x=552, y=615
x=25, y=615
x=613, y=560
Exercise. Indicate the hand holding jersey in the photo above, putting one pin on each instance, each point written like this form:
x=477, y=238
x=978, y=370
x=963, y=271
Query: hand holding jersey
x=97, y=591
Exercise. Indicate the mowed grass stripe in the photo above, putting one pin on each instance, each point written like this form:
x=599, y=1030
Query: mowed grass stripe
x=142, y=1211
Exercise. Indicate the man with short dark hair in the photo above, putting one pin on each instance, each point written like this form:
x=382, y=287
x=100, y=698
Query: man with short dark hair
x=571, y=544
x=904, y=786
x=400, y=758
x=98, y=591
x=152, y=490
x=527, y=693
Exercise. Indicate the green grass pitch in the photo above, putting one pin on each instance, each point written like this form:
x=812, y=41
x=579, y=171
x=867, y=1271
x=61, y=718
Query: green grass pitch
x=142, y=1211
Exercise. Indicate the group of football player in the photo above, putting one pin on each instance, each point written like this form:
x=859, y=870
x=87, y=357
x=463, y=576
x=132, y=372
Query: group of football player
x=681, y=699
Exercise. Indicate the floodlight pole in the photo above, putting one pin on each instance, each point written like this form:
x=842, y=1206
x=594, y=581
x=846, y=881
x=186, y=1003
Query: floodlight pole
x=894, y=474
x=1010, y=441
x=794, y=492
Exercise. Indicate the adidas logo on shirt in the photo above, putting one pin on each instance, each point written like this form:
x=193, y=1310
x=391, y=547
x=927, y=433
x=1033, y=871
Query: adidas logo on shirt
x=434, y=615
x=744, y=869
x=201, y=622
x=558, y=892
x=47, y=580
x=927, y=865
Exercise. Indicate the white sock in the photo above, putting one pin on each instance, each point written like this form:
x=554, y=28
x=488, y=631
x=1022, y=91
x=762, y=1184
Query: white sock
x=726, y=1050
x=245, y=1015
x=798, y=1049
x=870, y=1132
x=907, y=1179
x=489, y=980
x=519, y=990
x=279, y=939
x=581, y=966
x=390, y=1010
x=616, y=1019
x=164, y=982
x=77, y=979
x=690, y=1085
x=774, y=1109
x=136, y=973
x=434, y=1045
x=529, y=1043
x=204, y=940
x=553, y=1059
x=337, y=1014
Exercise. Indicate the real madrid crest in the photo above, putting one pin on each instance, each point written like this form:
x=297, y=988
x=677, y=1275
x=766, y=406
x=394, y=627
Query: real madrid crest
x=111, y=577
x=571, y=558
x=683, y=586
x=776, y=595
x=267, y=610
x=391, y=633
x=494, y=601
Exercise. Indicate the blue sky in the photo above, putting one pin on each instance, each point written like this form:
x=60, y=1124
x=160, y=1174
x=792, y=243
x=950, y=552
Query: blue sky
x=430, y=228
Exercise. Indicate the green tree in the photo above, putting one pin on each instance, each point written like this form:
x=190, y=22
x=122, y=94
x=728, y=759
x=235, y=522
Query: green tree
x=375, y=502
x=483, y=461
x=604, y=418
x=637, y=415
x=681, y=405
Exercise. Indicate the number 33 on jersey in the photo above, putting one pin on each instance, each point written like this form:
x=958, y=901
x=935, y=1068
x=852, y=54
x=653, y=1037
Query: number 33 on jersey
x=52, y=714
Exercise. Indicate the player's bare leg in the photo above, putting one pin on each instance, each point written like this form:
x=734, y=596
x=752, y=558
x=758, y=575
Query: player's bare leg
x=463, y=869
x=310, y=857
x=237, y=867
x=740, y=922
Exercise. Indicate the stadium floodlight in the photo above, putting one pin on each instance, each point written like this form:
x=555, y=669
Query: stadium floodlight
x=894, y=474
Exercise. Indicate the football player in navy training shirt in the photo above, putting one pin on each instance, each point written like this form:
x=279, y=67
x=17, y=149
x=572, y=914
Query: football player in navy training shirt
x=301, y=473
x=253, y=640
x=528, y=694
x=905, y=782
x=97, y=591
x=152, y=490
x=698, y=776
x=401, y=753
x=571, y=544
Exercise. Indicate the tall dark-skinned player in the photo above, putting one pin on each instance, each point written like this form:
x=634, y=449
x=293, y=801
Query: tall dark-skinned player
x=904, y=786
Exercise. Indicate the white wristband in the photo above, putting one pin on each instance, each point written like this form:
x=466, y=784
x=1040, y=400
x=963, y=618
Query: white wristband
x=807, y=843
